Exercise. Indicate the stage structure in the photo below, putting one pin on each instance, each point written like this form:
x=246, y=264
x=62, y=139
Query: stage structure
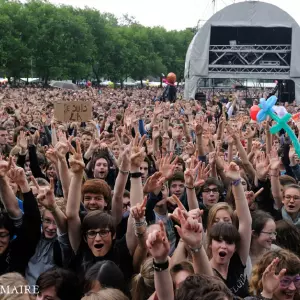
x=247, y=40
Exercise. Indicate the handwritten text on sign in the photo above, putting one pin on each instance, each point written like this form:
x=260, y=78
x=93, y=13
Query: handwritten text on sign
x=73, y=111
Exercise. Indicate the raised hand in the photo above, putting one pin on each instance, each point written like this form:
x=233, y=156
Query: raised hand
x=203, y=173
x=190, y=148
x=158, y=109
x=138, y=211
x=22, y=141
x=191, y=172
x=150, y=148
x=250, y=196
x=94, y=145
x=46, y=197
x=154, y=182
x=61, y=149
x=232, y=134
x=138, y=153
x=262, y=166
x=175, y=133
x=52, y=156
x=233, y=171
x=124, y=159
x=274, y=159
x=5, y=167
x=196, y=214
x=166, y=167
x=174, y=216
x=62, y=137
x=271, y=281
x=17, y=175
x=198, y=126
x=158, y=244
x=190, y=231
x=76, y=161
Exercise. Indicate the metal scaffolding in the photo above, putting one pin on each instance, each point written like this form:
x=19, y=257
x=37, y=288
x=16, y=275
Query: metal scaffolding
x=250, y=58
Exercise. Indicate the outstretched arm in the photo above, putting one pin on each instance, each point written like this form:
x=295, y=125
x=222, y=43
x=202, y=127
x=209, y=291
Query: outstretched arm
x=191, y=233
x=7, y=195
x=245, y=220
x=159, y=247
x=117, y=200
x=74, y=197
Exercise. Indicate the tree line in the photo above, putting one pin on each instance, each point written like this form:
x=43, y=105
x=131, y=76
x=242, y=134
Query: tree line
x=40, y=39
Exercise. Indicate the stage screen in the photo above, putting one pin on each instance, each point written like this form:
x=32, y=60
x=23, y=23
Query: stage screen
x=251, y=35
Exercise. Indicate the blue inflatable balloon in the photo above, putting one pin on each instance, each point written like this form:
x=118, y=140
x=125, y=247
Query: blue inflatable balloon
x=266, y=107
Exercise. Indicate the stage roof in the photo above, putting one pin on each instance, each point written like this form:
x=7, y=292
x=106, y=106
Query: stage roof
x=242, y=14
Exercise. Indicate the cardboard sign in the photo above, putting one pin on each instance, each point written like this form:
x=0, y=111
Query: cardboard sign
x=73, y=111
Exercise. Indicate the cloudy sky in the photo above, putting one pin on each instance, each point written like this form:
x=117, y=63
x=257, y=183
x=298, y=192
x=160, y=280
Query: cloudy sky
x=176, y=14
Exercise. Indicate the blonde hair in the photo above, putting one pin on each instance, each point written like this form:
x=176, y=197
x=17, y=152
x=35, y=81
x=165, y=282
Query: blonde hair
x=16, y=282
x=106, y=294
x=213, y=212
x=287, y=260
x=143, y=283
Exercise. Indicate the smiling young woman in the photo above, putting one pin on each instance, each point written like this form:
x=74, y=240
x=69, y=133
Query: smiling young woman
x=288, y=286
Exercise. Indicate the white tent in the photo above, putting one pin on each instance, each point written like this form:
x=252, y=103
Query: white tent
x=242, y=14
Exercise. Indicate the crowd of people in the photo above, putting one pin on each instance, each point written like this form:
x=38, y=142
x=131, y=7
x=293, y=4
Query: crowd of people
x=147, y=200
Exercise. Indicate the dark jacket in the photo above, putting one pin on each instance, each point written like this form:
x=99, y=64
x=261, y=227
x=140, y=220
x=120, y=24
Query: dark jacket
x=19, y=251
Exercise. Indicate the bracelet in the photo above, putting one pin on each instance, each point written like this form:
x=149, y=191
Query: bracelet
x=140, y=224
x=189, y=188
x=136, y=175
x=274, y=175
x=160, y=267
x=264, y=298
x=195, y=250
x=123, y=172
x=236, y=182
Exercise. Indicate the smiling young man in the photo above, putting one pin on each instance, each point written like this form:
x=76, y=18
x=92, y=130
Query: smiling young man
x=210, y=193
x=96, y=195
x=53, y=248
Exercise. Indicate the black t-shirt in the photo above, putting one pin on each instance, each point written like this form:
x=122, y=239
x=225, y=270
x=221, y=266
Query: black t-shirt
x=236, y=280
x=118, y=253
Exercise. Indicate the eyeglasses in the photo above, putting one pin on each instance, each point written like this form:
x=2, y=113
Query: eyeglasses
x=289, y=197
x=48, y=222
x=4, y=234
x=92, y=234
x=270, y=233
x=286, y=281
x=214, y=191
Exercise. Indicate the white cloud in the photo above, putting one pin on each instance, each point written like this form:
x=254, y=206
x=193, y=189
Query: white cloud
x=171, y=15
